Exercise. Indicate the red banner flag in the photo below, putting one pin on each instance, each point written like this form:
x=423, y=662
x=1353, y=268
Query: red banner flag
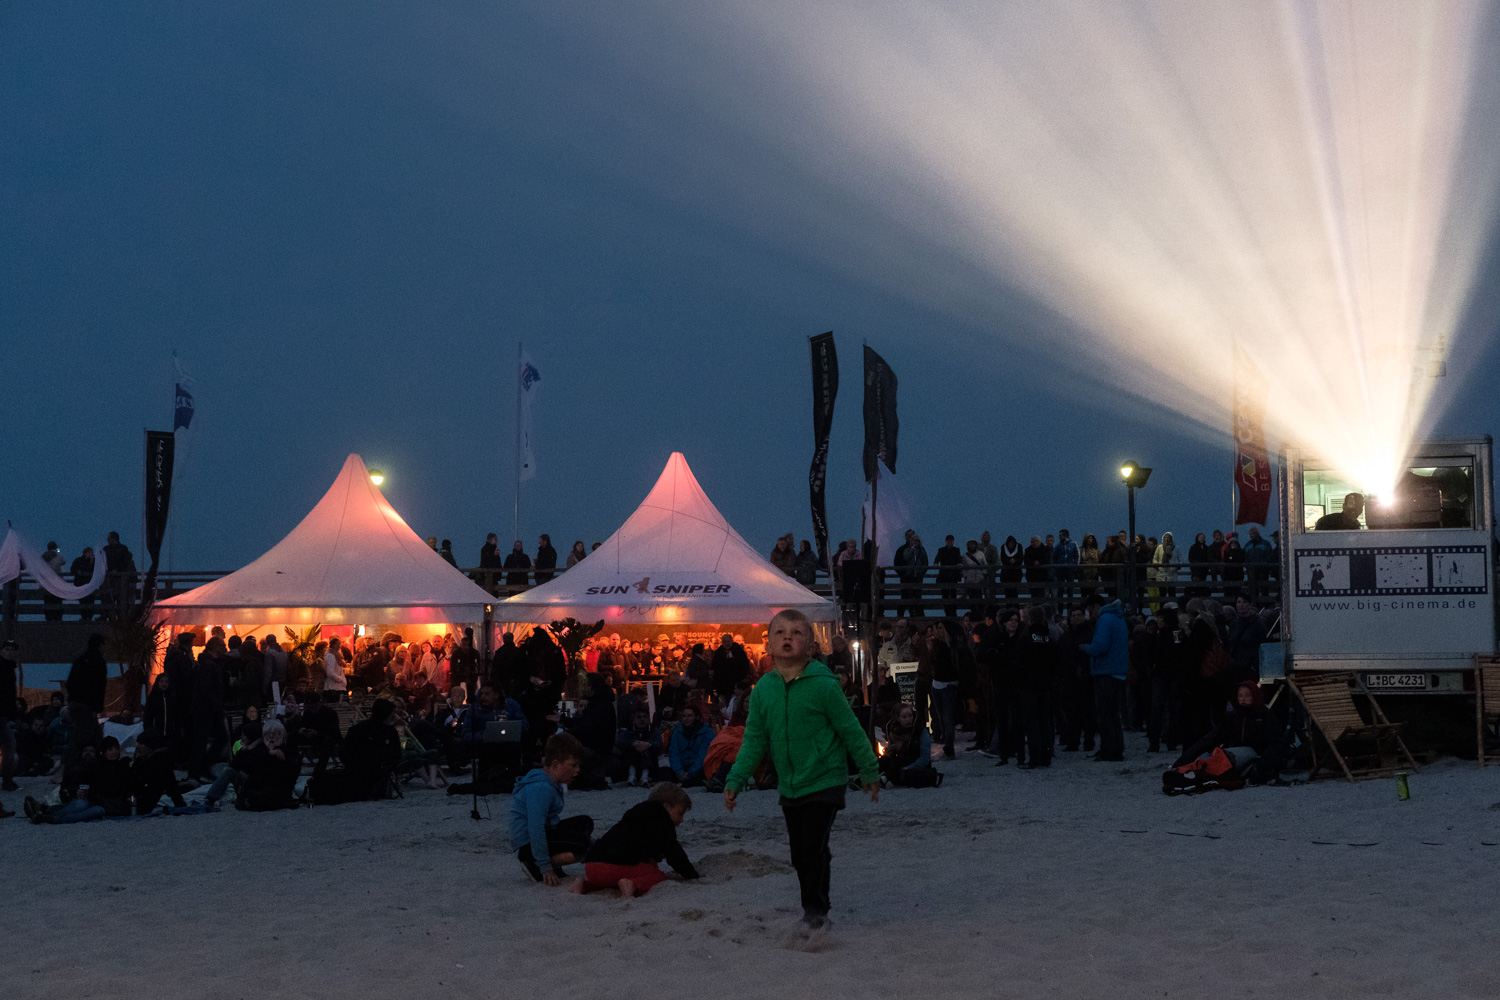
x=1252, y=466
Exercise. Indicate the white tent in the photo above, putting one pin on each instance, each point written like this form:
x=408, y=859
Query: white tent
x=674, y=560
x=351, y=560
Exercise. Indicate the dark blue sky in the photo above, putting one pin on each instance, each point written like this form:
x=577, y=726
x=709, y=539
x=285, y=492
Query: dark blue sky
x=344, y=217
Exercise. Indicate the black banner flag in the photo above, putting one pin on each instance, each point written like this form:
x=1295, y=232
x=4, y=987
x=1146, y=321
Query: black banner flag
x=161, y=447
x=880, y=414
x=825, y=373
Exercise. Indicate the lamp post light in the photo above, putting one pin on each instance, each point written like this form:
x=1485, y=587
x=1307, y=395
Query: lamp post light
x=1135, y=478
x=377, y=477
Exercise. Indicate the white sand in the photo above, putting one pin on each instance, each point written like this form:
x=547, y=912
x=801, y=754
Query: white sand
x=1081, y=881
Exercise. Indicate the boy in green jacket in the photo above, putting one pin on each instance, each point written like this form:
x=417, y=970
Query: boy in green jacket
x=798, y=712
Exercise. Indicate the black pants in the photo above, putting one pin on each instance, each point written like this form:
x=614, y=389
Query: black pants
x=807, y=829
x=1078, y=697
x=209, y=742
x=1109, y=705
x=570, y=836
x=1163, y=723
x=1036, y=715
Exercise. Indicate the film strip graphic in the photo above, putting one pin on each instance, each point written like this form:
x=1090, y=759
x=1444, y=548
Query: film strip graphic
x=1393, y=570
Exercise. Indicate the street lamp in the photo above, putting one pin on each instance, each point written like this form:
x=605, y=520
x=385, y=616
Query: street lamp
x=377, y=477
x=1135, y=478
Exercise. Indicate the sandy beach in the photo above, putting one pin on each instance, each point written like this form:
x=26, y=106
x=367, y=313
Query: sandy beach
x=1075, y=882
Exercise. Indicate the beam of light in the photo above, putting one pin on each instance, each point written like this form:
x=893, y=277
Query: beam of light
x=1316, y=181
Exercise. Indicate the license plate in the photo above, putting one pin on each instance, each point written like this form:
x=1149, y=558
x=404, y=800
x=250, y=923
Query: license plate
x=1396, y=682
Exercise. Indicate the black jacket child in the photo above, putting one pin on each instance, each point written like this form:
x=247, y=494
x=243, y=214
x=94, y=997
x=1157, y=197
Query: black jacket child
x=645, y=833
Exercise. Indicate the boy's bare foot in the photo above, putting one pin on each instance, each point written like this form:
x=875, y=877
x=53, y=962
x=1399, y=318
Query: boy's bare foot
x=627, y=888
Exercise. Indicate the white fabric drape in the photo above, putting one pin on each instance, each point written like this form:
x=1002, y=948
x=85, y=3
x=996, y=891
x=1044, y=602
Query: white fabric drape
x=16, y=552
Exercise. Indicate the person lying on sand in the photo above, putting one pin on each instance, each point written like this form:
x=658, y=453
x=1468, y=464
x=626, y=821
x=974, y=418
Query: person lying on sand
x=628, y=856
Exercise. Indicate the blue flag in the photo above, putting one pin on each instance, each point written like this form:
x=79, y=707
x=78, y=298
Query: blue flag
x=183, y=408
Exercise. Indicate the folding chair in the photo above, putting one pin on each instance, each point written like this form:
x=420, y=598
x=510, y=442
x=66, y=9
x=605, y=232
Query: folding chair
x=1487, y=708
x=1361, y=750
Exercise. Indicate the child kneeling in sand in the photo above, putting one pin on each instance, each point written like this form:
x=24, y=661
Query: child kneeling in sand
x=538, y=834
x=628, y=856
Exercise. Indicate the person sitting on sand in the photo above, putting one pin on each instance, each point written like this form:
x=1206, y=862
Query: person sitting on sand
x=689, y=748
x=111, y=779
x=638, y=744
x=538, y=834
x=270, y=773
x=628, y=857
x=151, y=774
x=76, y=794
x=1251, y=735
x=908, y=751
x=724, y=749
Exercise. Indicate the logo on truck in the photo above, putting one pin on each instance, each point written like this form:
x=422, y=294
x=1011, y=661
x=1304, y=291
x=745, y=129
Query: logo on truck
x=1392, y=571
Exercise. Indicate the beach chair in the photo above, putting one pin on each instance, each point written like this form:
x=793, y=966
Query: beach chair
x=1487, y=708
x=1361, y=749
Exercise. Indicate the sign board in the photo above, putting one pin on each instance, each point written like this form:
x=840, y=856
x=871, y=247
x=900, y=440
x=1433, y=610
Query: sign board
x=1392, y=595
x=905, y=676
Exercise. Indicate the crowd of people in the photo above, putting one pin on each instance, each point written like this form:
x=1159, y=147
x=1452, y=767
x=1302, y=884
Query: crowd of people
x=1029, y=681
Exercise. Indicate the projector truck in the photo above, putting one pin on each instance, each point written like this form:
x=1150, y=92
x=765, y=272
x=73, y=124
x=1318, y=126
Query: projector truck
x=1407, y=597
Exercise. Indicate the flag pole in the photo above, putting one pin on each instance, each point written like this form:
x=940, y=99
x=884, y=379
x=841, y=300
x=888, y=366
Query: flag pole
x=516, y=521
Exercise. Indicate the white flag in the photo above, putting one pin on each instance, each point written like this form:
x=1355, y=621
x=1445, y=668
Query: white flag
x=529, y=377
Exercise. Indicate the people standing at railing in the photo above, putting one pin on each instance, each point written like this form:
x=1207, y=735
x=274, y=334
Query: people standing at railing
x=577, y=554
x=1012, y=568
x=546, y=560
x=119, y=586
x=1088, y=565
x=807, y=565
x=1165, y=563
x=948, y=560
x=446, y=551
x=1233, y=570
x=53, y=557
x=1200, y=566
x=83, y=571
x=991, y=554
x=975, y=568
x=911, y=564
x=1036, y=557
x=783, y=556
x=518, y=563
x=1259, y=558
x=1064, y=558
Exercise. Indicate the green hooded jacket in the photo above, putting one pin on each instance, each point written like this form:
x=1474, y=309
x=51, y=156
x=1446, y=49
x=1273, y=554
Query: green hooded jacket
x=809, y=728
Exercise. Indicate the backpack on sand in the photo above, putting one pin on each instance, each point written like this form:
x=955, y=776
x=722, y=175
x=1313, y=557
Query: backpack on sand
x=1211, y=771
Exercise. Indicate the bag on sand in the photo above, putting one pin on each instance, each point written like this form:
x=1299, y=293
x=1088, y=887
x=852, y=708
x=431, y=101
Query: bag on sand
x=1212, y=770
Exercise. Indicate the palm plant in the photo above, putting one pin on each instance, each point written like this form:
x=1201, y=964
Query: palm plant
x=135, y=641
x=571, y=635
x=300, y=655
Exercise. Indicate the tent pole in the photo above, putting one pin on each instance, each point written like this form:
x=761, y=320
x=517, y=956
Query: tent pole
x=484, y=652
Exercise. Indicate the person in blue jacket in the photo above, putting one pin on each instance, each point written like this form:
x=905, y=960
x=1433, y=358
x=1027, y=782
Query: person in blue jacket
x=688, y=749
x=1109, y=661
x=538, y=833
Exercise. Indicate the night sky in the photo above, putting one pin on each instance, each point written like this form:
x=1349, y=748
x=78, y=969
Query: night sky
x=345, y=216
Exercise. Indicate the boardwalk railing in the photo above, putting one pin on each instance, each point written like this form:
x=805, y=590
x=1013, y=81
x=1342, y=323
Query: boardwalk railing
x=933, y=590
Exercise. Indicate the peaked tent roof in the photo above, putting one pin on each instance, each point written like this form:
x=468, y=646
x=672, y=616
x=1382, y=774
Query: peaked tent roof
x=674, y=560
x=352, y=559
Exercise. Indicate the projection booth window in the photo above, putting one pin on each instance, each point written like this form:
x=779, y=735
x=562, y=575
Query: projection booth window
x=1436, y=494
